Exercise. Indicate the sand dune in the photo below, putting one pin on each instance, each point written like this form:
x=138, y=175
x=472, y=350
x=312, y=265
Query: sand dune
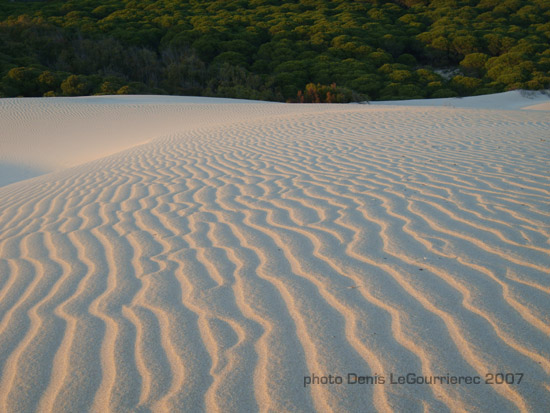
x=199, y=256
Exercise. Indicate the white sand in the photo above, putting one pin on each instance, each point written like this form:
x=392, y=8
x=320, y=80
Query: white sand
x=179, y=254
x=512, y=100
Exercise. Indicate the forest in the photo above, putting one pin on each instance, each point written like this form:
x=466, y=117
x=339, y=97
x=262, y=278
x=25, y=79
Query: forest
x=294, y=51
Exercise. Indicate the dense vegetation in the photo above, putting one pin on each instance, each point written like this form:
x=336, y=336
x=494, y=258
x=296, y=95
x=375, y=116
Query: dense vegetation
x=300, y=50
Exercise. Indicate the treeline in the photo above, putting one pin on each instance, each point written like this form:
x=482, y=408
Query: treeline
x=302, y=51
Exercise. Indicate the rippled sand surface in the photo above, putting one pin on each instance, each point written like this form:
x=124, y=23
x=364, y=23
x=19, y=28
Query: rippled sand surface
x=203, y=255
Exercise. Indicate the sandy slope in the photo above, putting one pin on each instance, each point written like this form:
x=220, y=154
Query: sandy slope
x=232, y=250
x=512, y=100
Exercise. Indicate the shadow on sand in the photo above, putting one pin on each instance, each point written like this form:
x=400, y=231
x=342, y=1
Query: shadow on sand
x=12, y=172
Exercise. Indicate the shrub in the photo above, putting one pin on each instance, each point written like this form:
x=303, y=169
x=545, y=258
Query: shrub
x=465, y=85
x=317, y=93
x=74, y=86
x=444, y=93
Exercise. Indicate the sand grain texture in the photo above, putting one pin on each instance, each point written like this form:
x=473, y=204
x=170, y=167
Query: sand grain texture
x=216, y=254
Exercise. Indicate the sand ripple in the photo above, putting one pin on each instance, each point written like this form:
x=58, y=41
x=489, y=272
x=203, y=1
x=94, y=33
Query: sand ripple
x=214, y=267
